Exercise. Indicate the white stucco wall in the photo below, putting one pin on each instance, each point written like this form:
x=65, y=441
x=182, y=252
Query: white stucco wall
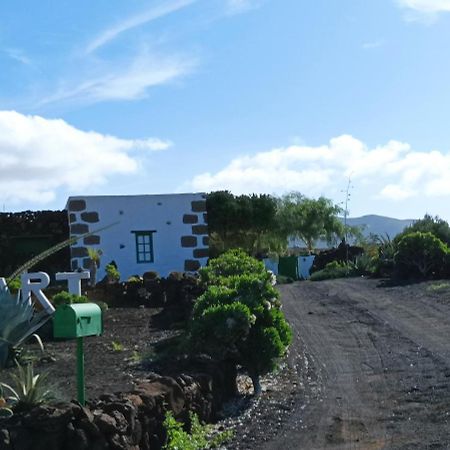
x=163, y=213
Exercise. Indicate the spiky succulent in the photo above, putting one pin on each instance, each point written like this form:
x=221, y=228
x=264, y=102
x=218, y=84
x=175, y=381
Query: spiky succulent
x=29, y=389
x=18, y=320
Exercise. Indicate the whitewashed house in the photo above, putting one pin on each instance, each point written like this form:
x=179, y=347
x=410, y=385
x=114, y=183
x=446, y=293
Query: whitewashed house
x=161, y=233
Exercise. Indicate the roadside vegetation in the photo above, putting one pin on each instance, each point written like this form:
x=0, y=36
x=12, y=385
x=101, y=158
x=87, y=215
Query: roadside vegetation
x=198, y=436
x=263, y=224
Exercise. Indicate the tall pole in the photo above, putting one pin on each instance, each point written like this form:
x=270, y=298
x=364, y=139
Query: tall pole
x=347, y=199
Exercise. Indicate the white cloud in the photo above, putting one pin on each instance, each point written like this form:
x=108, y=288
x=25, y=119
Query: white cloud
x=393, y=171
x=137, y=20
x=39, y=156
x=125, y=81
x=426, y=6
x=396, y=192
x=373, y=44
x=426, y=10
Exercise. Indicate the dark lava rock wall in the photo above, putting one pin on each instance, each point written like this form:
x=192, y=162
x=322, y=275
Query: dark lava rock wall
x=336, y=254
x=120, y=421
x=28, y=233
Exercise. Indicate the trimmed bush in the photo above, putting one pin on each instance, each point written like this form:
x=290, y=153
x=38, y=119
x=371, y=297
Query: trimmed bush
x=238, y=318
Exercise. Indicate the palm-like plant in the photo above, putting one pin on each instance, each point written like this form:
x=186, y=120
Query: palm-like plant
x=94, y=256
x=29, y=389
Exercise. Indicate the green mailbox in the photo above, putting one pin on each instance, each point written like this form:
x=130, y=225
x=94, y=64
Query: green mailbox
x=77, y=320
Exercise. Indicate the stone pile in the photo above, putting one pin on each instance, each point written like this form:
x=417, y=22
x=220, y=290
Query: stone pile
x=131, y=420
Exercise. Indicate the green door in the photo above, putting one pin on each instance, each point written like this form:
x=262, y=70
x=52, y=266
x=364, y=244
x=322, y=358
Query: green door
x=287, y=267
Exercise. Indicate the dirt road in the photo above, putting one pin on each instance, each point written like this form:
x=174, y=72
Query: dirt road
x=378, y=372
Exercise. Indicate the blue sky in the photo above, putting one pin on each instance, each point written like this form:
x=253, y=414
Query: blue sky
x=161, y=96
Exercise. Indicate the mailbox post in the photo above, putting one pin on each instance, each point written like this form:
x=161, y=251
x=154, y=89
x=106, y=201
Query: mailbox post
x=76, y=321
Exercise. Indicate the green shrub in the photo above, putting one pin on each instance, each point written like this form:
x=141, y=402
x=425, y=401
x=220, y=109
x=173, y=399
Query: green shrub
x=232, y=262
x=112, y=273
x=65, y=298
x=335, y=265
x=238, y=317
x=135, y=280
x=420, y=255
x=199, y=438
x=334, y=270
x=429, y=224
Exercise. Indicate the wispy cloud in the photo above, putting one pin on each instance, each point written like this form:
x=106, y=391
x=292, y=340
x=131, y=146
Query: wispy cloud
x=17, y=55
x=240, y=6
x=394, y=170
x=39, y=156
x=373, y=44
x=135, y=21
x=130, y=81
x=426, y=10
x=90, y=76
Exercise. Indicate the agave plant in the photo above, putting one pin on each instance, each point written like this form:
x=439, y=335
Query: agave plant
x=18, y=320
x=29, y=389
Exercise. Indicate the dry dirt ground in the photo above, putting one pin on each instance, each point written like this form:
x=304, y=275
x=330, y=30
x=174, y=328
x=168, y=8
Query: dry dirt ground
x=369, y=368
x=378, y=366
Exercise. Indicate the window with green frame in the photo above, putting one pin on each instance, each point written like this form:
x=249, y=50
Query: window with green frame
x=144, y=246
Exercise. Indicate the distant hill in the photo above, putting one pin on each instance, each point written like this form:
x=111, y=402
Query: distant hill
x=373, y=224
x=380, y=225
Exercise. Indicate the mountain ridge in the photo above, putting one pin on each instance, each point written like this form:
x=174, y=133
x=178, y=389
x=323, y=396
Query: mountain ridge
x=379, y=225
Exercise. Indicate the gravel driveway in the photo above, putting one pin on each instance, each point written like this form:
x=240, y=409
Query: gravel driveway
x=373, y=368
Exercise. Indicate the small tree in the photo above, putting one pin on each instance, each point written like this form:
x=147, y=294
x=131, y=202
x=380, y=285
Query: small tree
x=245, y=221
x=420, y=254
x=309, y=219
x=238, y=318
